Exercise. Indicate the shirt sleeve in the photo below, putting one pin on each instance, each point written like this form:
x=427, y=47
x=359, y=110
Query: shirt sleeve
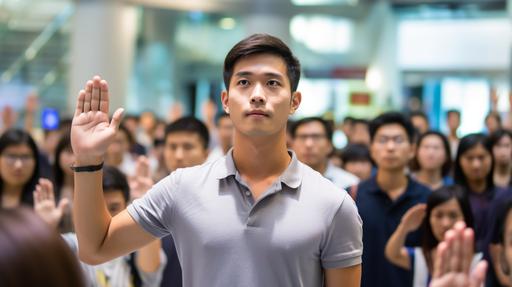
x=343, y=246
x=154, y=211
x=154, y=279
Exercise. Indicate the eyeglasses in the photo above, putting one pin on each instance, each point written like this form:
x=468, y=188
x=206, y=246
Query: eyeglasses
x=13, y=158
x=382, y=140
x=314, y=137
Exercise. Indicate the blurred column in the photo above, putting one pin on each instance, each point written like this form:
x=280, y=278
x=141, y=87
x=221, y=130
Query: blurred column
x=103, y=43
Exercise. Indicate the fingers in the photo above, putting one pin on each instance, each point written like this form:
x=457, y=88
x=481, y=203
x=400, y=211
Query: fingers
x=467, y=249
x=116, y=118
x=95, y=96
x=88, y=96
x=104, y=97
x=478, y=274
x=448, y=254
x=439, y=262
x=63, y=204
x=456, y=258
x=80, y=103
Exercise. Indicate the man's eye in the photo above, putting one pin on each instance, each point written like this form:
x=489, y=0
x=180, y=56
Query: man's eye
x=243, y=83
x=273, y=83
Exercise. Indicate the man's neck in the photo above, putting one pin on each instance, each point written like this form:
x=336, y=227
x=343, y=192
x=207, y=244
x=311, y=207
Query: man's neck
x=262, y=157
x=392, y=182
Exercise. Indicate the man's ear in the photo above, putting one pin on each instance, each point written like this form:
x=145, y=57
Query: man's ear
x=295, y=102
x=224, y=98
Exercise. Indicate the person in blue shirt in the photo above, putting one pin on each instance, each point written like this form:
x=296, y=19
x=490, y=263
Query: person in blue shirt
x=383, y=199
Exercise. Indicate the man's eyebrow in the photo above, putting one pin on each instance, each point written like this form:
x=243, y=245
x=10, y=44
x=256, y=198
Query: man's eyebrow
x=268, y=74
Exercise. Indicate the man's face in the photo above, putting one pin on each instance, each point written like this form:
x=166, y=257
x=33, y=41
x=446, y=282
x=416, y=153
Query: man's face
x=259, y=100
x=360, y=134
x=115, y=201
x=453, y=121
x=225, y=130
x=183, y=149
x=420, y=123
x=311, y=144
x=390, y=148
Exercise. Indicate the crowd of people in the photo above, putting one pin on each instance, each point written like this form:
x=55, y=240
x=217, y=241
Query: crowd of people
x=434, y=207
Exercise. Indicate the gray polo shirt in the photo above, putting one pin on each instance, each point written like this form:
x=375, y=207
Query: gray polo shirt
x=299, y=226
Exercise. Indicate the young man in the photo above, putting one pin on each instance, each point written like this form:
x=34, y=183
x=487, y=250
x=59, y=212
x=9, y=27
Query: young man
x=186, y=145
x=453, y=123
x=224, y=126
x=420, y=121
x=257, y=217
x=312, y=143
x=383, y=199
x=356, y=159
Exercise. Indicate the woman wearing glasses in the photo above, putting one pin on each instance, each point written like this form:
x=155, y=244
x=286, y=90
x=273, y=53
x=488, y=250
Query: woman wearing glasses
x=19, y=168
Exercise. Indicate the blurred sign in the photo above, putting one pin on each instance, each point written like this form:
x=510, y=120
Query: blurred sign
x=50, y=119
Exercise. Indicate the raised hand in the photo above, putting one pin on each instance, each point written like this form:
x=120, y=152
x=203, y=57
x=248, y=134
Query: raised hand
x=141, y=182
x=453, y=260
x=413, y=218
x=44, y=203
x=91, y=131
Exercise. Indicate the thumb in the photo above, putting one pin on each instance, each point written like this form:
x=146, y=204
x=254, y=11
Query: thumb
x=116, y=118
x=63, y=204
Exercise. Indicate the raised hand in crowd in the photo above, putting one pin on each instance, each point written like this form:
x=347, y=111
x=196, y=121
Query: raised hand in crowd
x=44, y=203
x=91, y=131
x=453, y=260
x=142, y=180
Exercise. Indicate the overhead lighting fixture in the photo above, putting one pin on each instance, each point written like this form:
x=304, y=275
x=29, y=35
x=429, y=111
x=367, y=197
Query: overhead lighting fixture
x=227, y=23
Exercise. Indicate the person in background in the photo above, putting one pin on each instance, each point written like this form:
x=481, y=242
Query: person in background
x=33, y=254
x=432, y=162
x=383, y=199
x=346, y=127
x=420, y=121
x=444, y=208
x=224, y=127
x=64, y=180
x=453, y=123
x=492, y=123
x=131, y=123
x=501, y=143
x=356, y=159
x=360, y=133
x=118, y=153
x=142, y=268
x=19, y=168
x=186, y=145
x=312, y=143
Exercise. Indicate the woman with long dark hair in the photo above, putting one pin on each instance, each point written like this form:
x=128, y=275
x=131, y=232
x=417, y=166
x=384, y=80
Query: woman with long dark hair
x=444, y=208
x=501, y=143
x=432, y=162
x=19, y=168
x=64, y=179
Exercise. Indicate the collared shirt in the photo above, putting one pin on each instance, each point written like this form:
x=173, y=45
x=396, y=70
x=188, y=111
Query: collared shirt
x=381, y=217
x=340, y=177
x=224, y=237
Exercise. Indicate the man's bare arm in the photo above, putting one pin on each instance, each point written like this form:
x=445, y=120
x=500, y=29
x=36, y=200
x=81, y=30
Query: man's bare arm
x=346, y=277
x=100, y=237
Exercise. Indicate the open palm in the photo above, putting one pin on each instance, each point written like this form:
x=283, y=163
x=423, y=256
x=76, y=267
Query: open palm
x=91, y=131
x=413, y=218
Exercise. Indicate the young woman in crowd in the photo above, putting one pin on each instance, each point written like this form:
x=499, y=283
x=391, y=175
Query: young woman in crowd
x=64, y=179
x=501, y=142
x=444, y=208
x=19, y=168
x=432, y=163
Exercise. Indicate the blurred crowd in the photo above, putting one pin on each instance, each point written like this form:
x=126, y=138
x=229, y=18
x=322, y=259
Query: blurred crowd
x=411, y=185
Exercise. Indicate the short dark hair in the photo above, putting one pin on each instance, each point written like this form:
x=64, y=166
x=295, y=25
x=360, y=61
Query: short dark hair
x=453, y=111
x=466, y=143
x=262, y=44
x=436, y=198
x=356, y=121
x=390, y=118
x=114, y=179
x=189, y=125
x=356, y=153
x=447, y=165
x=418, y=114
x=494, y=115
x=496, y=136
x=326, y=125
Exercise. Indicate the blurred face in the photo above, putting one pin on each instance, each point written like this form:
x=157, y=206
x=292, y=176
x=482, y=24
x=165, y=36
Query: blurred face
x=259, y=100
x=17, y=164
x=361, y=169
x=115, y=201
x=431, y=153
x=183, y=149
x=476, y=163
x=66, y=159
x=444, y=216
x=360, y=134
x=118, y=148
x=502, y=151
x=391, y=149
x=507, y=241
x=492, y=124
x=311, y=144
x=147, y=121
x=453, y=121
x=225, y=130
x=420, y=124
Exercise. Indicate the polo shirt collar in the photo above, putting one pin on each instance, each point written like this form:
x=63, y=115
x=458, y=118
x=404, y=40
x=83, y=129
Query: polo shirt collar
x=292, y=176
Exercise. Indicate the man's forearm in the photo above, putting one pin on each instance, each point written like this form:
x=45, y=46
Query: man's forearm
x=90, y=214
